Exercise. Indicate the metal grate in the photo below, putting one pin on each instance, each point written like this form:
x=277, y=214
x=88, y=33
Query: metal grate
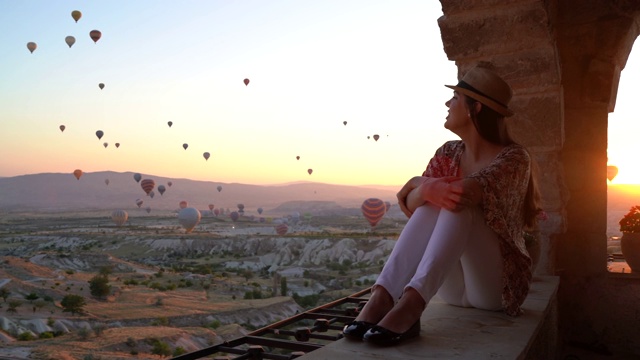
x=292, y=337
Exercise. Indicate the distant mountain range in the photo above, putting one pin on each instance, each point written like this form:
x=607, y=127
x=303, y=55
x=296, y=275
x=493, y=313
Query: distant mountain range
x=52, y=192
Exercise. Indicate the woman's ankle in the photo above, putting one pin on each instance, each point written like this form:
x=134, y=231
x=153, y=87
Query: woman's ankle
x=379, y=304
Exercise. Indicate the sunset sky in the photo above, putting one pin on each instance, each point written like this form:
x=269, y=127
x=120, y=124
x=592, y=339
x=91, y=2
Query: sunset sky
x=378, y=65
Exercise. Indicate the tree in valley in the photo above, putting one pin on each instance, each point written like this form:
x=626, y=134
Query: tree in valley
x=73, y=304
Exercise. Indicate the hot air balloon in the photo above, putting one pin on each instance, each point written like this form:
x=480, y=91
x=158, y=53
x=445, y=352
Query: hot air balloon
x=99, y=134
x=62, y=127
x=139, y=202
x=376, y=137
x=612, y=171
x=147, y=185
x=297, y=157
x=216, y=212
x=161, y=189
x=241, y=207
x=77, y=173
x=105, y=144
x=246, y=82
x=373, y=210
x=70, y=40
x=95, y=35
x=117, y=145
x=152, y=194
x=219, y=188
x=183, y=204
x=344, y=123
x=211, y=207
x=148, y=209
x=31, y=46
x=282, y=229
x=206, y=155
x=137, y=177
x=260, y=211
x=185, y=146
x=169, y=183
x=106, y=181
x=76, y=15
x=310, y=171
x=119, y=217
x=234, y=215
x=101, y=86
x=170, y=123
x=189, y=218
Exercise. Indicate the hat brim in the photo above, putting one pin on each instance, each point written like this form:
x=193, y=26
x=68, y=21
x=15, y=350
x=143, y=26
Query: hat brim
x=483, y=99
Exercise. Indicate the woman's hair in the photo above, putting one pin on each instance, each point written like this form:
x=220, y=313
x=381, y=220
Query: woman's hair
x=492, y=127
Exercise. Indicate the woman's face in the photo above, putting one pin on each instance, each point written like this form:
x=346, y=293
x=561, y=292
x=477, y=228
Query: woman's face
x=458, y=116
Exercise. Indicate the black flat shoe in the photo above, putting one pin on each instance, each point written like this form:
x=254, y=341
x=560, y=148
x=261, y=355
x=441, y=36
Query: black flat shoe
x=356, y=329
x=383, y=337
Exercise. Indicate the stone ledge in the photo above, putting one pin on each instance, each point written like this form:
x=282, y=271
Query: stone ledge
x=470, y=334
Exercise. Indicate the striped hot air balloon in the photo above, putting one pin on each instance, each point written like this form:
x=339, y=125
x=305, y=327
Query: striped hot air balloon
x=147, y=185
x=119, y=217
x=373, y=210
x=282, y=229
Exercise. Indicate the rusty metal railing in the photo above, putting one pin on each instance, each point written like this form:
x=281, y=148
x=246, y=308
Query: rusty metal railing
x=292, y=337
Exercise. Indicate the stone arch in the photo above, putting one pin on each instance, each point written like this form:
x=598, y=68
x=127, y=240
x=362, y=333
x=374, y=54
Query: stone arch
x=563, y=60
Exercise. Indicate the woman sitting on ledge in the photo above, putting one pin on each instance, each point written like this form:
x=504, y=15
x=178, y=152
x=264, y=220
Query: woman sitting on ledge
x=466, y=213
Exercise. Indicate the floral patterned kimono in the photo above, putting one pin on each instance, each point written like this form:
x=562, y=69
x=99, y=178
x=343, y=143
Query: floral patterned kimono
x=504, y=182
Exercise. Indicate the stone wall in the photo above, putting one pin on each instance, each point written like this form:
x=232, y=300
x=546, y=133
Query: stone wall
x=563, y=60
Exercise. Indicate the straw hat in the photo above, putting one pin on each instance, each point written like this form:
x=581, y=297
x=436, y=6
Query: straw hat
x=487, y=87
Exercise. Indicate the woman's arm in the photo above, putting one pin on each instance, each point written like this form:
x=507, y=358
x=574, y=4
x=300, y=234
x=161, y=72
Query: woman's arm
x=445, y=192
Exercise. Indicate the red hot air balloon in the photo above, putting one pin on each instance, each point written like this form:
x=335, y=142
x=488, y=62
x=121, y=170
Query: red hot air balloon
x=95, y=35
x=99, y=134
x=310, y=171
x=32, y=46
x=612, y=171
x=282, y=229
x=234, y=215
x=147, y=185
x=246, y=82
x=183, y=204
x=161, y=189
x=373, y=210
x=62, y=127
x=77, y=173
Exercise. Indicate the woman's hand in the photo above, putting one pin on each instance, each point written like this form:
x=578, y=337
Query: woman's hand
x=451, y=192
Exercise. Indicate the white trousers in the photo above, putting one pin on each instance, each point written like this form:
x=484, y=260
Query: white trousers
x=453, y=254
